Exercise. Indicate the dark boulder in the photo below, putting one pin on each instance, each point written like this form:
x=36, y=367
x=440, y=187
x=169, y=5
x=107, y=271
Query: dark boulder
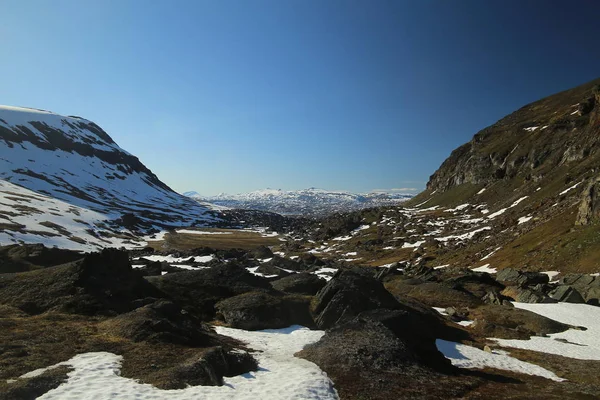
x=287, y=264
x=199, y=291
x=526, y=295
x=270, y=270
x=311, y=259
x=259, y=310
x=566, y=294
x=508, y=275
x=262, y=252
x=511, y=276
x=349, y=293
x=301, y=283
x=213, y=365
x=496, y=298
x=161, y=322
x=381, y=354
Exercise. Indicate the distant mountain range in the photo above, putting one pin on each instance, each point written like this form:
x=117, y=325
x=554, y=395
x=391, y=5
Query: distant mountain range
x=306, y=202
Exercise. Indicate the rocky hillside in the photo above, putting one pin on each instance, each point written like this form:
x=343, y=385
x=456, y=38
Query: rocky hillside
x=310, y=202
x=64, y=181
x=537, y=166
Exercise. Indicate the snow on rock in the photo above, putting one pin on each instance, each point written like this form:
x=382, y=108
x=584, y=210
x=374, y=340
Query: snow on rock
x=481, y=191
x=551, y=274
x=522, y=220
x=518, y=201
x=172, y=259
x=503, y=210
x=491, y=254
x=574, y=343
x=464, y=356
x=281, y=376
x=411, y=245
x=567, y=190
x=485, y=268
x=497, y=213
x=464, y=236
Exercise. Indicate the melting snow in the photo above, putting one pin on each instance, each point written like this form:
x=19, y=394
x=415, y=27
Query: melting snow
x=574, y=343
x=172, y=259
x=464, y=356
x=522, y=220
x=570, y=188
x=485, y=268
x=281, y=375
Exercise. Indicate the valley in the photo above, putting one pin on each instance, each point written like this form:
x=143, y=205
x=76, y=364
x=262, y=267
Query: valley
x=484, y=285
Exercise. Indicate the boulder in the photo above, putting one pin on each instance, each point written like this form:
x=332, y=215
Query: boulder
x=161, y=322
x=511, y=276
x=300, y=283
x=259, y=310
x=566, y=294
x=199, y=291
x=494, y=297
x=526, y=295
x=269, y=269
x=346, y=295
x=508, y=275
x=532, y=278
x=286, y=263
x=381, y=354
x=262, y=252
x=311, y=259
x=210, y=368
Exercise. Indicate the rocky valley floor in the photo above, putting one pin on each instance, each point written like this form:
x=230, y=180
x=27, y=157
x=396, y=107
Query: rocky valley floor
x=269, y=322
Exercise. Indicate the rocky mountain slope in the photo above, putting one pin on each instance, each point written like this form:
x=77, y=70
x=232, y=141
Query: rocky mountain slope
x=65, y=182
x=307, y=202
x=522, y=194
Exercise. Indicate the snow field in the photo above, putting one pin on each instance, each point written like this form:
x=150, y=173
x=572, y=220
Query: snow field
x=281, y=376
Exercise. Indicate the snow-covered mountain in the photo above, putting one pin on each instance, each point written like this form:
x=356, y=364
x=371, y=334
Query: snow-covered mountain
x=307, y=202
x=57, y=172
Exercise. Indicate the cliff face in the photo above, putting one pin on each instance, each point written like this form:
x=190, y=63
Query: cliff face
x=562, y=130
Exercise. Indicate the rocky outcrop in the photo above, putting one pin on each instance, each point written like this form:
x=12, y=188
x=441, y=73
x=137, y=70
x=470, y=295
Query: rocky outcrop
x=300, y=283
x=513, y=146
x=210, y=368
x=200, y=290
x=511, y=323
x=348, y=294
x=259, y=310
x=100, y=283
x=589, y=208
x=161, y=322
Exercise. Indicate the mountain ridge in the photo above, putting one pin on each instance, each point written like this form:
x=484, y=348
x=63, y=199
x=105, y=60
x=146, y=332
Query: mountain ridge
x=74, y=161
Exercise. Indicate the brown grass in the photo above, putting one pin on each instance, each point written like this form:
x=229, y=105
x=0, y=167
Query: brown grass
x=236, y=239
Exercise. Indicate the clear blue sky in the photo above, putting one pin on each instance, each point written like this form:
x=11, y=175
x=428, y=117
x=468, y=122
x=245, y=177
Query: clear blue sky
x=231, y=96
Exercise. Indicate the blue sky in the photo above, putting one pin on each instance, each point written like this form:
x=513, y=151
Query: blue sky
x=233, y=96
